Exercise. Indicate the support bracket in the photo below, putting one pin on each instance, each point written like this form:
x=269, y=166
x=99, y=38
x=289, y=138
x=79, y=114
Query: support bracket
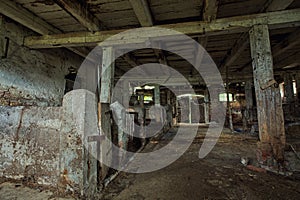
x=270, y=83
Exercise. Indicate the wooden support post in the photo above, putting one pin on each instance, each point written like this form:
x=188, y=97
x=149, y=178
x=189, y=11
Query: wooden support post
x=107, y=76
x=206, y=107
x=142, y=119
x=126, y=93
x=288, y=87
x=298, y=86
x=230, y=122
x=176, y=111
x=168, y=97
x=216, y=114
x=158, y=115
x=249, y=100
x=157, y=95
x=190, y=109
x=2, y=43
x=289, y=96
x=269, y=105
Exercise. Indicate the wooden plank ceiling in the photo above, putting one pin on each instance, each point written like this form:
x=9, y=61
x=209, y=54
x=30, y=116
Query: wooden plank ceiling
x=230, y=50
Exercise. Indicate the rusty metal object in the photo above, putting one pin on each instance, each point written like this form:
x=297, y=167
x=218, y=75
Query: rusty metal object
x=270, y=83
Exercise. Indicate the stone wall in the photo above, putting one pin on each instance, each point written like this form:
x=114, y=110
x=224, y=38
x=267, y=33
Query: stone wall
x=52, y=145
x=31, y=77
x=29, y=143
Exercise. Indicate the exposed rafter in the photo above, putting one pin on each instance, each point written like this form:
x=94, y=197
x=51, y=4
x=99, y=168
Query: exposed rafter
x=81, y=13
x=280, y=19
x=210, y=10
x=26, y=18
x=241, y=44
x=278, y=49
x=289, y=61
x=276, y=5
x=133, y=62
x=287, y=43
x=142, y=12
x=160, y=56
x=19, y=14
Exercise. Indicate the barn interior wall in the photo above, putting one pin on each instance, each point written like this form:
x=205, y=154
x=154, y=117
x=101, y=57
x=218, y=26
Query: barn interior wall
x=31, y=77
x=29, y=143
x=49, y=145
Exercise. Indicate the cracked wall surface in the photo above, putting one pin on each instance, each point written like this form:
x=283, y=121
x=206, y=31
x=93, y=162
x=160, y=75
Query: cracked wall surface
x=31, y=77
x=50, y=145
x=29, y=143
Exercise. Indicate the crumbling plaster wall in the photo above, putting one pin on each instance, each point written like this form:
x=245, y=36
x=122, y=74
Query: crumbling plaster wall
x=31, y=77
x=29, y=143
x=50, y=145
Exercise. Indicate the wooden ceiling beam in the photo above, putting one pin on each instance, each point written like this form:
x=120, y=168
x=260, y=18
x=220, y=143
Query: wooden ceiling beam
x=210, y=10
x=131, y=60
x=241, y=44
x=276, y=5
x=287, y=43
x=289, y=60
x=142, y=11
x=279, y=19
x=21, y=15
x=160, y=56
x=81, y=13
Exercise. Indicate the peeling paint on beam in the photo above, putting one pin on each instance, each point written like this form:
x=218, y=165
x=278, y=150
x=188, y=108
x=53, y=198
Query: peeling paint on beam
x=280, y=19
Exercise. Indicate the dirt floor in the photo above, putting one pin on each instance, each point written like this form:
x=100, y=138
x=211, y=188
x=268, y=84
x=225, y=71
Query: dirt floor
x=10, y=190
x=218, y=176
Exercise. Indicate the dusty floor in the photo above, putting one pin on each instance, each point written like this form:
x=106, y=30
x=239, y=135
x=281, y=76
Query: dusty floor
x=219, y=176
x=19, y=191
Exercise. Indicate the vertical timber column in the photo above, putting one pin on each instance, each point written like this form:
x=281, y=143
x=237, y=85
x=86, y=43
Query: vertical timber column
x=168, y=97
x=206, y=107
x=107, y=77
x=269, y=105
x=190, y=109
x=249, y=100
x=176, y=121
x=157, y=95
x=2, y=48
x=228, y=102
x=297, y=77
x=289, y=95
x=142, y=119
x=288, y=87
x=157, y=103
